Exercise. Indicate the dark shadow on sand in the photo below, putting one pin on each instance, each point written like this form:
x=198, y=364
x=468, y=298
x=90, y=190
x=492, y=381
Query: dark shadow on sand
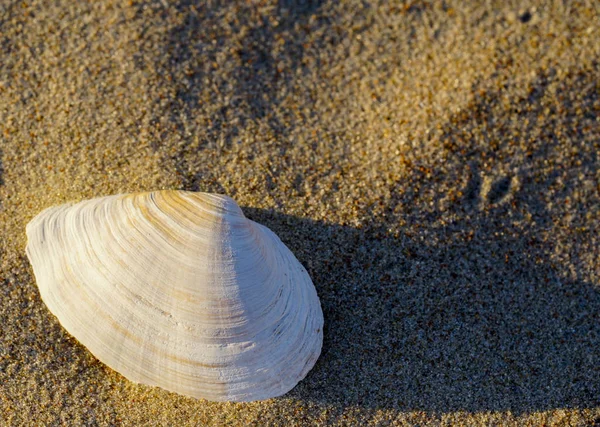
x=473, y=325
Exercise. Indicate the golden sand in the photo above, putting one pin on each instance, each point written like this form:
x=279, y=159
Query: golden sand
x=433, y=165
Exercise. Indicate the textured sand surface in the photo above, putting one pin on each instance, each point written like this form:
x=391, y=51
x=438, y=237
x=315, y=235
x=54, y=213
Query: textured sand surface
x=434, y=165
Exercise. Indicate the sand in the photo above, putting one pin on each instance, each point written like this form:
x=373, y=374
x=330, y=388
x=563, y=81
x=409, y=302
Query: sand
x=434, y=166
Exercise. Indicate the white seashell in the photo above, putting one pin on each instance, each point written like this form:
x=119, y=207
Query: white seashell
x=179, y=290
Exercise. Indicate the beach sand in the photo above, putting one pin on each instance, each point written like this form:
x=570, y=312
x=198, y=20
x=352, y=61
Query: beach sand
x=433, y=165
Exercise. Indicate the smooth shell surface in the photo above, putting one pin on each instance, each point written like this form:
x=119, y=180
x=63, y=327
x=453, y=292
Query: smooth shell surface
x=179, y=290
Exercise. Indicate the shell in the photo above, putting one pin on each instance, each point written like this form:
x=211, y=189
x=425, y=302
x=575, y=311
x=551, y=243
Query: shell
x=179, y=290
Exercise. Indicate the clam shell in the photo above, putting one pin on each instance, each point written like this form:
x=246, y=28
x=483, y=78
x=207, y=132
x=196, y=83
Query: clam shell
x=179, y=290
